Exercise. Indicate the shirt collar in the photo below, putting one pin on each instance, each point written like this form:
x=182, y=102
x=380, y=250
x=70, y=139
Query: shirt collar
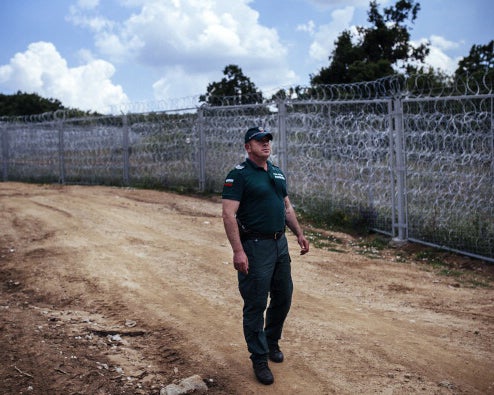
x=251, y=163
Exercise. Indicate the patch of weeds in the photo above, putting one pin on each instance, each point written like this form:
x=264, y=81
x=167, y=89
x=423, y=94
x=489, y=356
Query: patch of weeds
x=323, y=241
x=475, y=283
x=328, y=216
x=371, y=247
x=378, y=243
x=400, y=258
x=450, y=273
x=430, y=257
x=433, y=260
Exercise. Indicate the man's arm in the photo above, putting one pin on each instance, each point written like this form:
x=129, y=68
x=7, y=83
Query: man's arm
x=292, y=223
x=240, y=260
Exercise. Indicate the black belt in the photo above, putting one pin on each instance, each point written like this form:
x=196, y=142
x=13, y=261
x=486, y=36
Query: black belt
x=262, y=236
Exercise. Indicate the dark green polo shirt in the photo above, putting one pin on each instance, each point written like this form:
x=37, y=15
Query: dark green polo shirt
x=261, y=195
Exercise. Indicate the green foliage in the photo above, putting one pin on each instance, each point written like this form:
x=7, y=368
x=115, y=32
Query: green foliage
x=337, y=215
x=298, y=92
x=377, y=50
x=372, y=246
x=344, y=56
x=443, y=264
x=478, y=65
x=21, y=104
x=479, y=60
x=324, y=240
x=234, y=88
x=429, y=80
x=27, y=104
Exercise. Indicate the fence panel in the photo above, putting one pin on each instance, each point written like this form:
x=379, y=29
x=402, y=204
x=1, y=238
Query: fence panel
x=30, y=152
x=450, y=172
x=391, y=154
x=91, y=149
x=339, y=159
x=164, y=150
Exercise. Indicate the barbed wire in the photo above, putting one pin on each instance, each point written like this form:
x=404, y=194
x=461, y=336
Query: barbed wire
x=338, y=150
x=400, y=85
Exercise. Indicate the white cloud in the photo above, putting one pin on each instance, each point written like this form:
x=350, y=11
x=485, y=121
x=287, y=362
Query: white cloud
x=42, y=70
x=438, y=57
x=442, y=43
x=309, y=27
x=85, y=55
x=88, y=4
x=94, y=23
x=340, y=3
x=440, y=60
x=208, y=31
x=186, y=40
x=176, y=79
x=325, y=36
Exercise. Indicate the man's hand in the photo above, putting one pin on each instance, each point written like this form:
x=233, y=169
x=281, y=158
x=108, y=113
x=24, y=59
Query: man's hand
x=304, y=245
x=241, y=262
x=292, y=223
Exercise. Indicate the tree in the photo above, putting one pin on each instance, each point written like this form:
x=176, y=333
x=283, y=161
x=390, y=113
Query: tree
x=234, y=88
x=27, y=104
x=378, y=50
x=344, y=56
x=478, y=65
x=23, y=103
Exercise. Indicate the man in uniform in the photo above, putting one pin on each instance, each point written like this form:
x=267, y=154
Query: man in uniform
x=256, y=209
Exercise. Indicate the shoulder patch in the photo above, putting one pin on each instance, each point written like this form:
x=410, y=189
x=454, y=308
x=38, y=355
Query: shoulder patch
x=279, y=176
x=228, y=182
x=239, y=167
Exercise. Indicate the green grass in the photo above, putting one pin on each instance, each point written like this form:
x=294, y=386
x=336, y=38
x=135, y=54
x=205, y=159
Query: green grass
x=434, y=260
x=376, y=246
x=324, y=241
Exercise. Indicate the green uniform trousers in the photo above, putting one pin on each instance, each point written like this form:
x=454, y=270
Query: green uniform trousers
x=269, y=275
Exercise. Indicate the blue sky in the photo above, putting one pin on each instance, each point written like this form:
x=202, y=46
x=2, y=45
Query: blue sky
x=101, y=54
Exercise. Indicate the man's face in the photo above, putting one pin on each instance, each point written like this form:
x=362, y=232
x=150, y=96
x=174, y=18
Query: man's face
x=259, y=149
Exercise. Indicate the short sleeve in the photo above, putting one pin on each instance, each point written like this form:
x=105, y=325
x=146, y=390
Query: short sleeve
x=233, y=186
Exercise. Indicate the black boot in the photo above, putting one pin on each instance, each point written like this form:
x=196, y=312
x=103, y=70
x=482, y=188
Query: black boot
x=275, y=353
x=262, y=372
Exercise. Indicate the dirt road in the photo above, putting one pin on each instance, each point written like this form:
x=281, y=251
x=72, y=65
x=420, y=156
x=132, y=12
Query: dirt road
x=120, y=291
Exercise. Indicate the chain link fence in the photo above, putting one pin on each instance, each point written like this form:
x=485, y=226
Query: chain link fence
x=408, y=157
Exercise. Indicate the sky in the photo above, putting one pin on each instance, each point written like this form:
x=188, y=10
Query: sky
x=108, y=55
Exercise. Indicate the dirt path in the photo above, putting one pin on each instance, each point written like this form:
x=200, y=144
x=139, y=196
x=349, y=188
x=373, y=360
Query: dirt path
x=120, y=291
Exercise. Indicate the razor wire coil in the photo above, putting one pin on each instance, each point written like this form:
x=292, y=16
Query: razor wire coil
x=338, y=149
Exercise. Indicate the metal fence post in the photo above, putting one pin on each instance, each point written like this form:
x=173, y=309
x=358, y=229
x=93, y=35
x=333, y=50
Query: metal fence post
x=282, y=141
x=61, y=150
x=400, y=228
x=202, y=150
x=125, y=150
x=492, y=143
x=5, y=153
